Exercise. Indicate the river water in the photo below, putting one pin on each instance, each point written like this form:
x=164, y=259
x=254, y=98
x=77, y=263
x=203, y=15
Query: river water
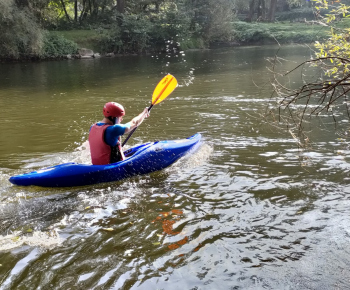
x=248, y=210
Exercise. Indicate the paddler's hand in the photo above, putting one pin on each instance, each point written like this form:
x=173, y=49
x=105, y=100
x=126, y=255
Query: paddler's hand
x=145, y=113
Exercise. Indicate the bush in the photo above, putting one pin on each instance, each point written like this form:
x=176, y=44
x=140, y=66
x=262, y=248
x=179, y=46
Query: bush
x=284, y=33
x=250, y=32
x=193, y=42
x=56, y=46
x=20, y=35
x=87, y=38
x=135, y=33
x=110, y=40
x=144, y=33
x=296, y=15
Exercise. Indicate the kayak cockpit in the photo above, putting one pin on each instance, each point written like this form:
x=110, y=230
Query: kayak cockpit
x=137, y=149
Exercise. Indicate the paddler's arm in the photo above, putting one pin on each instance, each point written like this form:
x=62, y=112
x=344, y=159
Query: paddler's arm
x=135, y=122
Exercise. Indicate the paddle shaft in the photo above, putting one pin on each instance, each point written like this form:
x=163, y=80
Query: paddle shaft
x=133, y=130
x=155, y=100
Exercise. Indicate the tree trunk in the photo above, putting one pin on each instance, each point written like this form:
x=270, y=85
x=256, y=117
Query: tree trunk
x=259, y=14
x=83, y=13
x=263, y=10
x=103, y=6
x=23, y=3
x=121, y=6
x=95, y=10
x=65, y=10
x=76, y=10
x=90, y=7
x=272, y=10
x=251, y=11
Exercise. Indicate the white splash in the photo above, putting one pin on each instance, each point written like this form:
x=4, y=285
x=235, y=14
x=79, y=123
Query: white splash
x=46, y=240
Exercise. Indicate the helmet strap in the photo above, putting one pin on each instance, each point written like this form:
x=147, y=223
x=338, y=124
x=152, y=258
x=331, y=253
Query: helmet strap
x=112, y=119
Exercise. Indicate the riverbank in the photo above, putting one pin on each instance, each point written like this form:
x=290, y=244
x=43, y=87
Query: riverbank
x=243, y=33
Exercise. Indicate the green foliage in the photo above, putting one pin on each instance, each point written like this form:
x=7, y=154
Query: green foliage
x=172, y=23
x=240, y=5
x=295, y=3
x=192, y=43
x=110, y=40
x=20, y=34
x=211, y=19
x=221, y=18
x=56, y=46
x=133, y=36
x=147, y=31
x=326, y=92
x=142, y=26
x=336, y=49
x=296, y=14
x=84, y=38
x=283, y=33
x=136, y=32
x=250, y=32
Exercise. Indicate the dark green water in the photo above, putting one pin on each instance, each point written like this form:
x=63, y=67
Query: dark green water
x=241, y=213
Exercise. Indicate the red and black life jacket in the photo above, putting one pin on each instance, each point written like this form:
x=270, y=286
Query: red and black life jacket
x=101, y=152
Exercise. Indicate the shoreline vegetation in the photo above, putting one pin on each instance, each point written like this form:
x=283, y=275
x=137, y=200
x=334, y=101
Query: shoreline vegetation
x=80, y=44
x=34, y=30
x=243, y=33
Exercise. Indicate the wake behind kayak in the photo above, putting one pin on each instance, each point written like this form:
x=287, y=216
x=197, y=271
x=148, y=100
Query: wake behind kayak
x=142, y=159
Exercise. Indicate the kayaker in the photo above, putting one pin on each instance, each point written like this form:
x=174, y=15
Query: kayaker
x=104, y=136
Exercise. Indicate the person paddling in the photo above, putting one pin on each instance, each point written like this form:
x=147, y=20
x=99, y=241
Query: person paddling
x=104, y=136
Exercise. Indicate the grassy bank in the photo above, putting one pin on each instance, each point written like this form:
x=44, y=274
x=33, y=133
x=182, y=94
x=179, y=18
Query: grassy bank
x=84, y=38
x=253, y=33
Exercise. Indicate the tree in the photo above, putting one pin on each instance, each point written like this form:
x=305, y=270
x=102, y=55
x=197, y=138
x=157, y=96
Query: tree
x=75, y=10
x=258, y=6
x=220, y=16
x=240, y=6
x=272, y=10
x=261, y=10
x=20, y=34
x=210, y=18
x=251, y=10
x=65, y=9
x=328, y=92
x=266, y=9
x=121, y=6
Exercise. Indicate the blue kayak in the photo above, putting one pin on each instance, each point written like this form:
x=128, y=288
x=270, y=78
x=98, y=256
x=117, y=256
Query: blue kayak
x=142, y=159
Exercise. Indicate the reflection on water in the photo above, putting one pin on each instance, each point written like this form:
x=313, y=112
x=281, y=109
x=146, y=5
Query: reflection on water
x=248, y=210
x=167, y=225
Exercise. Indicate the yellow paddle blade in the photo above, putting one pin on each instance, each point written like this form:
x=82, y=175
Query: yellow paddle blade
x=164, y=88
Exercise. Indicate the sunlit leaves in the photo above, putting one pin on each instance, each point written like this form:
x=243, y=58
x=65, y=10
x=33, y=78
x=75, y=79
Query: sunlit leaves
x=325, y=87
x=336, y=47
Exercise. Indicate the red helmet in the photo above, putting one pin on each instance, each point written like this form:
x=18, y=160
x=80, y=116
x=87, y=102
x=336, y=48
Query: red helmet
x=113, y=109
